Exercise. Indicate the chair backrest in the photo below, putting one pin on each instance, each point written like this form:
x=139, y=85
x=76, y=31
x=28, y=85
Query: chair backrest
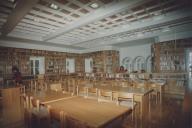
x=58, y=115
x=92, y=90
x=124, y=83
x=22, y=90
x=106, y=93
x=26, y=101
x=123, y=96
x=56, y=87
x=81, y=89
x=34, y=103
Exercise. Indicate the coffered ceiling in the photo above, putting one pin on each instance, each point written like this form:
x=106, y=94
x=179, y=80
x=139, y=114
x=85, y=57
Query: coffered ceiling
x=85, y=24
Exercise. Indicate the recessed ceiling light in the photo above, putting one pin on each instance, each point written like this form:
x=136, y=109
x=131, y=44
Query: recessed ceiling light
x=54, y=6
x=94, y=5
x=36, y=19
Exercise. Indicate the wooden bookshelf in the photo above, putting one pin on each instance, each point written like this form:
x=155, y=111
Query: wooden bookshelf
x=168, y=63
x=105, y=61
x=79, y=64
x=55, y=62
x=170, y=56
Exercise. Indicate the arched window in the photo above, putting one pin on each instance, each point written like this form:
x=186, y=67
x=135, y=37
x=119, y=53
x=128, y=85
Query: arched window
x=127, y=63
x=138, y=63
x=148, y=64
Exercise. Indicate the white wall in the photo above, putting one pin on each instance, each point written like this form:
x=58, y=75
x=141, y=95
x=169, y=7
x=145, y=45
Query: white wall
x=134, y=51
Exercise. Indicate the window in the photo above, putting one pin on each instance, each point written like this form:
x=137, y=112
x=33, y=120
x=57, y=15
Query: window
x=88, y=65
x=70, y=65
x=37, y=65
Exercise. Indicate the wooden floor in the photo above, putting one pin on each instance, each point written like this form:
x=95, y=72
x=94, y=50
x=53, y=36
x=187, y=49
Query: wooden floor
x=175, y=112
x=171, y=114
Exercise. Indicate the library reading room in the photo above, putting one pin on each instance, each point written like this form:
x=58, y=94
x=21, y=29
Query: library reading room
x=95, y=64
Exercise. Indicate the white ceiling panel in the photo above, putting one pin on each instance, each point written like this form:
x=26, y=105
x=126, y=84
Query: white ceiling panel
x=75, y=23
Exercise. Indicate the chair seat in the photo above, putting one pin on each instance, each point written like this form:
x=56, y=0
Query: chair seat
x=41, y=113
x=128, y=103
x=104, y=99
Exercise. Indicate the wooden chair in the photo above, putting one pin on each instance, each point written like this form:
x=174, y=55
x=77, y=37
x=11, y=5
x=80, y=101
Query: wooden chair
x=26, y=111
x=64, y=84
x=56, y=87
x=126, y=99
x=155, y=91
x=71, y=86
x=26, y=101
x=37, y=113
x=33, y=85
x=34, y=104
x=140, y=84
x=81, y=91
x=104, y=96
x=92, y=92
x=124, y=83
x=56, y=118
x=22, y=90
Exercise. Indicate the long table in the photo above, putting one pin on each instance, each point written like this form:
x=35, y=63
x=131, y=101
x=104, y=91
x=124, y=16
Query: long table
x=89, y=113
x=141, y=95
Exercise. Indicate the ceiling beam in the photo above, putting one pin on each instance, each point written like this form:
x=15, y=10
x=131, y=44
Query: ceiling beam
x=95, y=16
x=34, y=42
x=178, y=32
x=176, y=15
x=21, y=9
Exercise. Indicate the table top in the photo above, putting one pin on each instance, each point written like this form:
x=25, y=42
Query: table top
x=89, y=111
x=49, y=96
x=137, y=91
